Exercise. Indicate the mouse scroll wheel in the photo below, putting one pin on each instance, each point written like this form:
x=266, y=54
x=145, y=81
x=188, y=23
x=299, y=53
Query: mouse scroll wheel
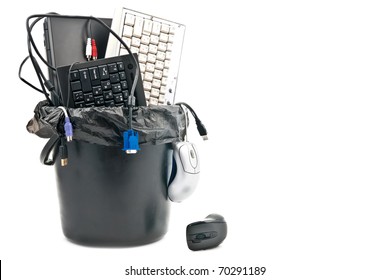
x=192, y=154
x=200, y=236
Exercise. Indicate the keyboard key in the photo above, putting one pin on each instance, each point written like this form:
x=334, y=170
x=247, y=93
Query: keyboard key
x=153, y=101
x=103, y=70
x=85, y=80
x=112, y=68
x=148, y=76
x=147, y=85
x=76, y=85
x=107, y=94
x=147, y=26
x=154, y=39
x=106, y=85
x=142, y=67
x=143, y=49
x=170, y=38
x=114, y=78
x=122, y=76
x=145, y=39
x=162, y=46
x=161, y=99
x=120, y=66
x=125, y=94
x=78, y=96
x=163, y=38
x=116, y=88
x=127, y=31
x=94, y=73
x=156, y=28
x=74, y=75
x=138, y=27
x=130, y=19
x=99, y=100
x=156, y=83
x=153, y=49
x=142, y=58
x=163, y=90
x=97, y=91
x=150, y=67
x=88, y=98
x=151, y=58
x=160, y=55
x=165, y=71
x=168, y=55
x=164, y=81
x=147, y=94
x=135, y=42
x=158, y=74
x=124, y=85
x=169, y=47
x=167, y=64
x=165, y=28
x=154, y=92
x=159, y=65
x=118, y=98
x=134, y=50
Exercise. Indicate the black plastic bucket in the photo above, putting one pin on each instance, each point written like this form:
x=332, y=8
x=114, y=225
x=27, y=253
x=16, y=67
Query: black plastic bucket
x=108, y=197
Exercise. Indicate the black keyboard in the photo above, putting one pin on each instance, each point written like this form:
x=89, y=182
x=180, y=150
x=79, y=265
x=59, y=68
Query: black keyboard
x=103, y=82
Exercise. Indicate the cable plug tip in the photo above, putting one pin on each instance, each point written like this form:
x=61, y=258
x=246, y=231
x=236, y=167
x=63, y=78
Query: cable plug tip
x=130, y=141
x=88, y=49
x=64, y=161
x=68, y=127
x=205, y=137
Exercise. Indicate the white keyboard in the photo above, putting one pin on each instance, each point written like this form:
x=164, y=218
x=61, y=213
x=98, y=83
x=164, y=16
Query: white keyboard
x=158, y=43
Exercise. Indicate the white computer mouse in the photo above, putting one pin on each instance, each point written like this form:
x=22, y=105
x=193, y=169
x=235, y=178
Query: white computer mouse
x=187, y=171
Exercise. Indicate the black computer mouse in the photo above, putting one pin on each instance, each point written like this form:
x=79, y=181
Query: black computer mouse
x=206, y=234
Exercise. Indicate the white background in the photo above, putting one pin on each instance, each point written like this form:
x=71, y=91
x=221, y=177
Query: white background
x=294, y=95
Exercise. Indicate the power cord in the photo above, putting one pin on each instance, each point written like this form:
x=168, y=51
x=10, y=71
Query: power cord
x=200, y=126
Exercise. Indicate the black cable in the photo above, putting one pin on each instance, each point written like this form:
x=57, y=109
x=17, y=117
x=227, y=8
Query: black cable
x=89, y=30
x=200, y=126
x=24, y=80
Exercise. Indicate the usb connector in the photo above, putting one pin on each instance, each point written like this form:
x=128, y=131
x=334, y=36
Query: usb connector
x=201, y=129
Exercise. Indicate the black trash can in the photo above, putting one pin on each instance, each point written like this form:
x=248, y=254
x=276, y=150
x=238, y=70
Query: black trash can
x=110, y=198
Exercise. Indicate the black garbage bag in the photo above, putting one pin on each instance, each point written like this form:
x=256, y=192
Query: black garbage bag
x=105, y=125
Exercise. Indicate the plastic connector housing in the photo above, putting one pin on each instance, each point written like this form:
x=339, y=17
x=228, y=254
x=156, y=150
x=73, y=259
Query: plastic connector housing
x=130, y=141
x=68, y=129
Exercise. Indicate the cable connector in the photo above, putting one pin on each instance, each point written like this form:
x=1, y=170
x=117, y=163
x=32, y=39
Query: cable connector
x=201, y=129
x=130, y=141
x=63, y=150
x=94, y=49
x=68, y=129
x=88, y=49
